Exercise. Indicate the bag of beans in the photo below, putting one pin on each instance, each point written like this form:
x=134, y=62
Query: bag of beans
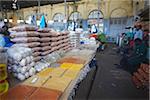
x=46, y=48
x=25, y=39
x=46, y=52
x=45, y=30
x=25, y=34
x=46, y=44
x=36, y=49
x=31, y=45
x=35, y=54
x=38, y=58
x=21, y=28
x=45, y=39
x=44, y=34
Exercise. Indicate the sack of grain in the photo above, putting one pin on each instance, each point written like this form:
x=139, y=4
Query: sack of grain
x=35, y=54
x=45, y=30
x=46, y=48
x=45, y=39
x=24, y=34
x=25, y=39
x=30, y=45
x=46, y=44
x=45, y=34
x=38, y=58
x=36, y=49
x=21, y=28
x=46, y=52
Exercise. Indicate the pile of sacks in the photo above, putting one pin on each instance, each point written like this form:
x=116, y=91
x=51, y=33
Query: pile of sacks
x=60, y=41
x=74, y=39
x=27, y=36
x=45, y=40
x=141, y=77
x=20, y=62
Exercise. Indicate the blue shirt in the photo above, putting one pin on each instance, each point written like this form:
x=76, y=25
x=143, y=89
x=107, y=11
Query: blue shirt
x=138, y=34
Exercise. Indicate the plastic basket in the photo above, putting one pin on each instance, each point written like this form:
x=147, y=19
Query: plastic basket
x=3, y=72
x=3, y=87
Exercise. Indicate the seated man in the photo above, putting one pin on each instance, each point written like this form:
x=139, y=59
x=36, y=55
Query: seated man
x=131, y=62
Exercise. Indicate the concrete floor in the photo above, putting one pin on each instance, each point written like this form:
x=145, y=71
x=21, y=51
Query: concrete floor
x=110, y=83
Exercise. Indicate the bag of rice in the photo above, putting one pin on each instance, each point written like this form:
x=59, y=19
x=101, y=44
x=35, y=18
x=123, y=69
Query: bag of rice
x=36, y=49
x=25, y=34
x=31, y=45
x=38, y=58
x=45, y=39
x=46, y=44
x=35, y=54
x=25, y=39
x=21, y=28
x=46, y=48
x=46, y=52
x=44, y=34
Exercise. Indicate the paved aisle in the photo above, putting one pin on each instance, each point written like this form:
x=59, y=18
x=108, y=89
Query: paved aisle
x=112, y=83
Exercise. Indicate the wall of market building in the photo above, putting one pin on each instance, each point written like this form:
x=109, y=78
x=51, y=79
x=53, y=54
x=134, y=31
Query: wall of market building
x=113, y=13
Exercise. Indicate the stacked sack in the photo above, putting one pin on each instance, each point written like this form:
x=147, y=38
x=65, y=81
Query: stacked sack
x=60, y=41
x=74, y=39
x=141, y=77
x=20, y=62
x=27, y=36
x=45, y=40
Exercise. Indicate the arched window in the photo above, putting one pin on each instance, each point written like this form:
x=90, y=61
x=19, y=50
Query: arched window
x=92, y=19
x=117, y=13
x=75, y=16
x=95, y=14
x=58, y=17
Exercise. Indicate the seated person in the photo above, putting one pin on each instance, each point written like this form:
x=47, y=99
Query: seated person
x=131, y=62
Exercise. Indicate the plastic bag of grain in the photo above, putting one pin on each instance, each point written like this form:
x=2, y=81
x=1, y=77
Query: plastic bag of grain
x=18, y=53
x=31, y=45
x=36, y=49
x=24, y=34
x=46, y=52
x=45, y=39
x=21, y=28
x=25, y=39
x=45, y=30
x=38, y=58
x=46, y=48
x=35, y=54
x=46, y=44
x=45, y=34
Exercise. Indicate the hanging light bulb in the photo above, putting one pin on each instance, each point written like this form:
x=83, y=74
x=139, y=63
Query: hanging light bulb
x=14, y=4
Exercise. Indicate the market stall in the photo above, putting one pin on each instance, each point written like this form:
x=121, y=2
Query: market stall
x=58, y=71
